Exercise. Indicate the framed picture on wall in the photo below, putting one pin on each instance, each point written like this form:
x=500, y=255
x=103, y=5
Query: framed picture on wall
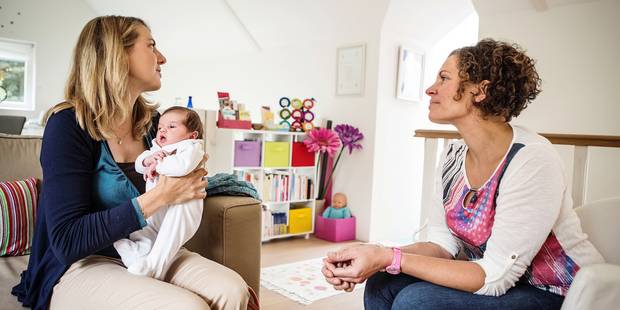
x=351, y=70
x=410, y=69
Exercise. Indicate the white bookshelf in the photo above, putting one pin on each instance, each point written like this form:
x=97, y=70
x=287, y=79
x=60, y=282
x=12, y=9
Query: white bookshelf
x=220, y=146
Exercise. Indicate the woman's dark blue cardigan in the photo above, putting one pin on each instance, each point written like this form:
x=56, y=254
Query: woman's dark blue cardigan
x=68, y=227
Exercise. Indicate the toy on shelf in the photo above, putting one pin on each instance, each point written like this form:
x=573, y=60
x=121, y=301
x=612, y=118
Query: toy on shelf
x=338, y=209
x=285, y=112
x=232, y=114
x=267, y=117
x=296, y=113
x=336, y=223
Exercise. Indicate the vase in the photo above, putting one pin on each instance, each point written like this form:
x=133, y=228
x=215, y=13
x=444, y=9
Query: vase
x=319, y=206
x=333, y=230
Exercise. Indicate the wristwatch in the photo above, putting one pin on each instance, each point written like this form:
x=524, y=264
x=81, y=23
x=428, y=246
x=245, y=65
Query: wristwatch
x=394, y=268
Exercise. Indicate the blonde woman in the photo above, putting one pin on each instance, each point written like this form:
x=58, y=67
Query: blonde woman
x=92, y=196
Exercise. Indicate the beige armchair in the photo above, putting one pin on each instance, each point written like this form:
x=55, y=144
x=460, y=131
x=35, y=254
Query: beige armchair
x=230, y=233
x=598, y=286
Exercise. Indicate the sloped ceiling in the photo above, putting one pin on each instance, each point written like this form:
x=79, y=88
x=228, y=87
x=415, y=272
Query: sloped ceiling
x=211, y=28
x=221, y=27
x=278, y=22
x=200, y=28
x=426, y=21
x=497, y=6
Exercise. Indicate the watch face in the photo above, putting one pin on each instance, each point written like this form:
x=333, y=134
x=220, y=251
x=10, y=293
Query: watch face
x=392, y=270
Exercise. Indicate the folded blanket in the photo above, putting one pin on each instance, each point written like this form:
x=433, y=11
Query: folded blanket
x=229, y=185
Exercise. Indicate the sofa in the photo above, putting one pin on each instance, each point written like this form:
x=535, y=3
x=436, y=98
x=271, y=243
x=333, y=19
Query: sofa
x=598, y=286
x=230, y=232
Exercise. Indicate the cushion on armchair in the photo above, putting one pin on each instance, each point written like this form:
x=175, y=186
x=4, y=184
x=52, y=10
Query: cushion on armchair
x=18, y=206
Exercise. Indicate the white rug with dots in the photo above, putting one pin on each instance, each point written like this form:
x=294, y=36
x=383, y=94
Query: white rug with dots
x=301, y=281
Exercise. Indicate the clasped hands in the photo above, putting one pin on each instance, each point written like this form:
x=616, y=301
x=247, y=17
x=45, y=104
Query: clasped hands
x=352, y=265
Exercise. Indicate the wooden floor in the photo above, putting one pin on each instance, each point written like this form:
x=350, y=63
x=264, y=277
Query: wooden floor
x=283, y=251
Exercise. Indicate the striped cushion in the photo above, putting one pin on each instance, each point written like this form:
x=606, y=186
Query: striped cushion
x=18, y=206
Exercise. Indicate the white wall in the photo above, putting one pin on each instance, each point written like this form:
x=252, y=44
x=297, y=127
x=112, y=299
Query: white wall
x=576, y=47
x=398, y=155
x=256, y=51
x=54, y=26
x=294, y=67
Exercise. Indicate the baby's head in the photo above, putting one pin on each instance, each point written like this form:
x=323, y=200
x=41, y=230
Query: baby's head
x=339, y=201
x=177, y=124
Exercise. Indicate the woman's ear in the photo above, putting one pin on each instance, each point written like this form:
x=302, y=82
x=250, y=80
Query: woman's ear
x=481, y=91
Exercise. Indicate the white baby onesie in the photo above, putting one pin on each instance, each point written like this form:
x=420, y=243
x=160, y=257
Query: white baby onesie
x=151, y=250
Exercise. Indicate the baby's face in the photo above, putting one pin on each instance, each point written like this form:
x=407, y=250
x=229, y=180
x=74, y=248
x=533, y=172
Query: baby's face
x=339, y=202
x=171, y=128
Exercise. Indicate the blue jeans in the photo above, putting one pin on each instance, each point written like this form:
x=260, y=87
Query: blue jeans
x=386, y=291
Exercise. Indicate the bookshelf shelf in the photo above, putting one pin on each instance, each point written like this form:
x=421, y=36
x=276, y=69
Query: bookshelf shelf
x=266, y=158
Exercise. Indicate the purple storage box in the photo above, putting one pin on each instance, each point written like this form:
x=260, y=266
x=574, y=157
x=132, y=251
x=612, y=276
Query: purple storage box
x=247, y=153
x=335, y=230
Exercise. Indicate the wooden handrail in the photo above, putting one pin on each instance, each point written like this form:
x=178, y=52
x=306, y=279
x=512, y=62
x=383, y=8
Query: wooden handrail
x=555, y=138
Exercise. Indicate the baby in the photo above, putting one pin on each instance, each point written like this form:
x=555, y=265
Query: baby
x=177, y=150
x=338, y=209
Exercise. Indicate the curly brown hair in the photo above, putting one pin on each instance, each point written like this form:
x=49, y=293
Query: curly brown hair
x=513, y=80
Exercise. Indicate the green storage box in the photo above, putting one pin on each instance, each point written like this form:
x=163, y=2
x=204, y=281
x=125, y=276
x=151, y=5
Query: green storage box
x=277, y=154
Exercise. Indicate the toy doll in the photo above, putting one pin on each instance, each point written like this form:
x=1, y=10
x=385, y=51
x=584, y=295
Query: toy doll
x=338, y=209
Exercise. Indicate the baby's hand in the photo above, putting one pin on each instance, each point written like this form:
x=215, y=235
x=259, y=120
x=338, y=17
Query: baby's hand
x=151, y=172
x=154, y=158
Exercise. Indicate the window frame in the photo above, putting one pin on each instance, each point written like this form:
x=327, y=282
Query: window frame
x=19, y=50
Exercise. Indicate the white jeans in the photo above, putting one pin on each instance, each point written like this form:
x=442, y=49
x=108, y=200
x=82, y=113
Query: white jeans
x=192, y=282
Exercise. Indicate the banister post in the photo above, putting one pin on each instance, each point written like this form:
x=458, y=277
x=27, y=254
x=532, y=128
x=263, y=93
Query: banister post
x=428, y=182
x=580, y=175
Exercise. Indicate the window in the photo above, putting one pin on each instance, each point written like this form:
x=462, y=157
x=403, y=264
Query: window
x=16, y=75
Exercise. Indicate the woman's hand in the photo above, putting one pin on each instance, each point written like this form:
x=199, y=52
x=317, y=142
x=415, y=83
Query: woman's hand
x=182, y=189
x=337, y=283
x=358, y=262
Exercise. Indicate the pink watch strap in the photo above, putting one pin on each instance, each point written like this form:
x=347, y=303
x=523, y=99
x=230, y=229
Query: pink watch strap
x=394, y=268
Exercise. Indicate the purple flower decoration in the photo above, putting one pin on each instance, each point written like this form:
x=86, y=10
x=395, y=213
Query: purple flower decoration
x=350, y=136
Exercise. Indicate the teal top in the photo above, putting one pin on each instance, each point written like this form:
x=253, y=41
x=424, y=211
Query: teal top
x=111, y=186
x=333, y=213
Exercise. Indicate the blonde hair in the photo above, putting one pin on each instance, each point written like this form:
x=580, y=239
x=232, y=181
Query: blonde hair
x=97, y=87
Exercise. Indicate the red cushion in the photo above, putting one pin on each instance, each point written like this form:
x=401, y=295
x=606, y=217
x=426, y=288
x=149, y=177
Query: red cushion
x=18, y=207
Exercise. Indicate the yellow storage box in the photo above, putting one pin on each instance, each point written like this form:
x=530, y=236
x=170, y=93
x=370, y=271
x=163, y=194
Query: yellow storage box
x=276, y=154
x=300, y=220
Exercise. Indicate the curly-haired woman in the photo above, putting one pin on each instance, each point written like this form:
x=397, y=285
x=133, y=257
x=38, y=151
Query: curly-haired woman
x=501, y=199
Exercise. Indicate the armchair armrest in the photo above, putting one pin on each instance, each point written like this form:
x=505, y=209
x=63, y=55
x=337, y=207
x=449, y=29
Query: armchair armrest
x=594, y=287
x=230, y=234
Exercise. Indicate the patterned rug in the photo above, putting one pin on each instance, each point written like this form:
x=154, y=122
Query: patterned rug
x=302, y=281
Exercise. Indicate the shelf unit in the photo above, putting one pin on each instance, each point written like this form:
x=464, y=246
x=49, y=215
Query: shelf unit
x=285, y=189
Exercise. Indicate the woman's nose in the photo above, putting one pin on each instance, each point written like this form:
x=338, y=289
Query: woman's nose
x=161, y=59
x=431, y=90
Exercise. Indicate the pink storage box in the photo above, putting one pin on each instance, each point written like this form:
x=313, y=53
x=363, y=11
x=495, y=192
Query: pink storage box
x=247, y=154
x=232, y=123
x=335, y=230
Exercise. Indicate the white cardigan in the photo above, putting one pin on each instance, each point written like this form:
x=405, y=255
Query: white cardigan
x=522, y=223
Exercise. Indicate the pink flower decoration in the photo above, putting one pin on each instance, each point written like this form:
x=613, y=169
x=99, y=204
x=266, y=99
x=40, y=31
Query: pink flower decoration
x=323, y=140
